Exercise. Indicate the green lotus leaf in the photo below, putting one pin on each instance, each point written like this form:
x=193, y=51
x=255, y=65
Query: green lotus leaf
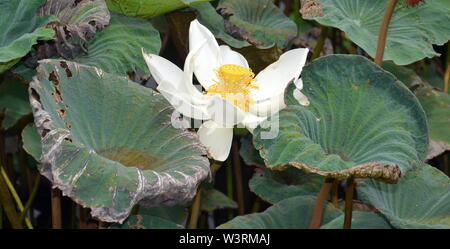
x=155, y=218
x=259, y=22
x=146, y=222
x=360, y=220
x=21, y=28
x=117, y=48
x=108, y=143
x=275, y=186
x=435, y=103
x=32, y=141
x=421, y=199
x=249, y=154
x=361, y=122
x=23, y=73
x=430, y=73
x=13, y=100
x=258, y=57
x=78, y=21
x=412, y=30
x=292, y=213
x=405, y=75
x=437, y=108
x=149, y=8
x=175, y=214
x=212, y=199
x=207, y=15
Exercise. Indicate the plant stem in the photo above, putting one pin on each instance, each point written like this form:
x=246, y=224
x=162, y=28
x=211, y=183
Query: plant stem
x=5, y=196
x=320, y=203
x=56, y=208
x=446, y=79
x=320, y=43
x=383, y=31
x=334, y=193
x=446, y=165
x=195, y=210
x=15, y=195
x=215, y=167
x=102, y=225
x=256, y=205
x=83, y=217
x=8, y=205
x=165, y=43
x=349, y=203
x=26, y=177
x=229, y=174
x=238, y=178
x=31, y=197
x=288, y=6
x=1, y=216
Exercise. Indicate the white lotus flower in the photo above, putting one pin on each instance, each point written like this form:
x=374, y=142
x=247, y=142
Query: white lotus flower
x=233, y=95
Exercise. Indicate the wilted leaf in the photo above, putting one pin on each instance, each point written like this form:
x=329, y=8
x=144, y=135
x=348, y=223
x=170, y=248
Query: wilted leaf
x=421, y=199
x=212, y=199
x=361, y=122
x=149, y=8
x=21, y=28
x=13, y=100
x=275, y=186
x=108, y=143
x=412, y=30
x=258, y=22
x=117, y=48
x=78, y=21
x=437, y=108
x=32, y=141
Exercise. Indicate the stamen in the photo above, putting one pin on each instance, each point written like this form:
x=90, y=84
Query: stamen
x=234, y=85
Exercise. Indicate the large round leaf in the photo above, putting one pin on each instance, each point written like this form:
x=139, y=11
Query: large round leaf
x=274, y=186
x=155, y=218
x=292, y=213
x=146, y=222
x=108, y=143
x=360, y=220
x=421, y=199
x=435, y=103
x=259, y=22
x=117, y=48
x=78, y=21
x=20, y=28
x=437, y=108
x=406, y=75
x=412, y=30
x=361, y=122
x=149, y=8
